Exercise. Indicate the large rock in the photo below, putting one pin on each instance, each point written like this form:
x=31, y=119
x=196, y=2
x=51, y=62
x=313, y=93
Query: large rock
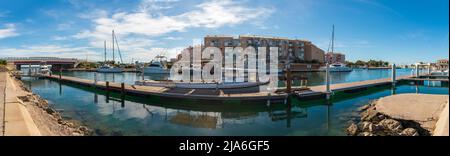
x=364, y=126
x=366, y=134
x=392, y=125
x=370, y=115
x=376, y=128
x=363, y=108
x=409, y=132
x=352, y=130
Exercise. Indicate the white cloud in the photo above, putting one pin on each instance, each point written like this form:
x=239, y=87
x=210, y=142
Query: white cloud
x=152, y=6
x=59, y=38
x=211, y=14
x=8, y=31
x=136, y=29
x=50, y=51
x=173, y=38
x=147, y=55
x=64, y=26
x=93, y=14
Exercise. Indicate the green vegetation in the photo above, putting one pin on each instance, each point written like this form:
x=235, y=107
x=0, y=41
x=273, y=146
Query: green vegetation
x=87, y=65
x=2, y=62
x=370, y=63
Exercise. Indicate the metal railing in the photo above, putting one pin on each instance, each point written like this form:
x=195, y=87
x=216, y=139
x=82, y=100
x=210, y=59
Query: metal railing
x=37, y=58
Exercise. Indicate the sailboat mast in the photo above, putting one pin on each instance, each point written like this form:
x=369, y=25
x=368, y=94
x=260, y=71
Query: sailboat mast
x=118, y=49
x=114, y=58
x=105, y=51
x=332, y=42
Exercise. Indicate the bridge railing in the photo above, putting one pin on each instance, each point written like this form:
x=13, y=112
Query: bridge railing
x=37, y=58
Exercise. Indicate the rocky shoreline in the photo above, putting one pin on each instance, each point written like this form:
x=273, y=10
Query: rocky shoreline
x=48, y=120
x=374, y=123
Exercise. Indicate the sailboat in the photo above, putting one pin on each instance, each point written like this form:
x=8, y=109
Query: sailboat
x=335, y=67
x=106, y=68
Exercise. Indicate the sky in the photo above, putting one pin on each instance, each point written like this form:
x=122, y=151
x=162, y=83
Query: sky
x=398, y=31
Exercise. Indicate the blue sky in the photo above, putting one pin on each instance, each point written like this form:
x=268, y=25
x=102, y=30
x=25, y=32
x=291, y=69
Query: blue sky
x=398, y=31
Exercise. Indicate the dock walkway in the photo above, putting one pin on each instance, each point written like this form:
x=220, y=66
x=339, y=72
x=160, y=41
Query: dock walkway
x=236, y=94
x=321, y=90
x=202, y=94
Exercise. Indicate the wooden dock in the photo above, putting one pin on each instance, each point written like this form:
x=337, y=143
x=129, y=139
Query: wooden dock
x=321, y=90
x=202, y=94
x=425, y=79
x=245, y=94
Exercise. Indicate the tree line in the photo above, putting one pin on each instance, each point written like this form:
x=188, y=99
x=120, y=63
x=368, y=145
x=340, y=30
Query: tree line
x=3, y=62
x=370, y=63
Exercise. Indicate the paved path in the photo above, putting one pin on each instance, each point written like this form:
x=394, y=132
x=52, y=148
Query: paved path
x=2, y=100
x=425, y=109
x=18, y=121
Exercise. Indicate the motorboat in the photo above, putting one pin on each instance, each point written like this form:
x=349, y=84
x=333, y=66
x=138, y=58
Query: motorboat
x=440, y=73
x=44, y=69
x=157, y=66
x=337, y=67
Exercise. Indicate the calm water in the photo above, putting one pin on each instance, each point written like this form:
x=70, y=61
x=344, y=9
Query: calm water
x=107, y=114
x=314, y=78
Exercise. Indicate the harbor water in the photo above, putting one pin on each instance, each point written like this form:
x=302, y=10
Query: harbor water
x=109, y=114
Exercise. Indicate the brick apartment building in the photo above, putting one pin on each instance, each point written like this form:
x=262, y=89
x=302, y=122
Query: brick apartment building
x=302, y=54
x=335, y=57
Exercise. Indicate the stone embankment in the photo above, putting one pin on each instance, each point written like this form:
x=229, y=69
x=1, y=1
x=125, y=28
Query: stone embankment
x=403, y=115
x=48, y=120
x=26, y=114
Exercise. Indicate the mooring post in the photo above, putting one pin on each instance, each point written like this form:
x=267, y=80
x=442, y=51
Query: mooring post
x=394, y=72
x=95, y=78
x=60, y=73
x=288, y=79
x=327, y=76
x=429, y=68
x=142, y=74
x=107, y=85
x=417, y=70
x=122, y=89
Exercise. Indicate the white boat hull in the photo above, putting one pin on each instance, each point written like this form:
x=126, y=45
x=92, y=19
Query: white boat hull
x=153, y=70
x=110, y=70
x=169, y=84
x=336, y=69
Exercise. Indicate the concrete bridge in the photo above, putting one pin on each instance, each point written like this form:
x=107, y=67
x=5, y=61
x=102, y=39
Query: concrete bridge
x=56, y=62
